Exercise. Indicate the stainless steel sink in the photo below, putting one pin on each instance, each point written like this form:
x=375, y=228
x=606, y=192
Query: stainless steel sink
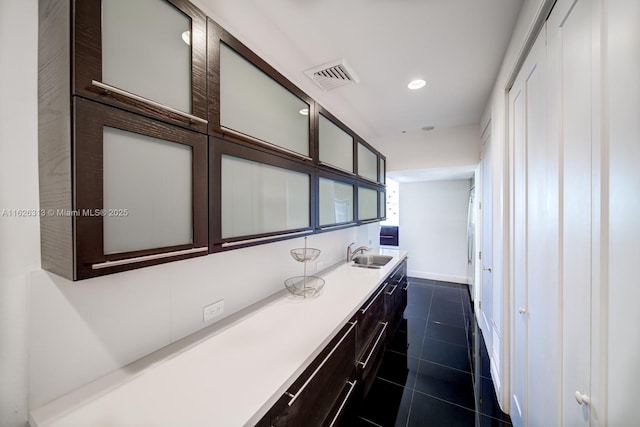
x=371, y=261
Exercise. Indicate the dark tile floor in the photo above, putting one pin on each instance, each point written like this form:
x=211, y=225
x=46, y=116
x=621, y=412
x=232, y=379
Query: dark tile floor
x=436, y=370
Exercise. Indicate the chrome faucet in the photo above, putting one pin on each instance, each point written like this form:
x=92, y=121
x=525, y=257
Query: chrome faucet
x=351, y=253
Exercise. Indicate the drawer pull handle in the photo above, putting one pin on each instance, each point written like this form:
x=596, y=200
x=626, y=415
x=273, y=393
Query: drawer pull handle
x=306, y=383
x=373, y=349
x=364, y=310
x=344, y=402
x=108, y=88
x=393, y=290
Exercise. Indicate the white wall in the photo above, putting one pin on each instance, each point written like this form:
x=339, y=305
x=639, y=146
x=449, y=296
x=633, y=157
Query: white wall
x=433, y=228
x=56, y=335
x=19, y=237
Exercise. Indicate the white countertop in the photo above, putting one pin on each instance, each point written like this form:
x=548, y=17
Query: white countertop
x=228, y=374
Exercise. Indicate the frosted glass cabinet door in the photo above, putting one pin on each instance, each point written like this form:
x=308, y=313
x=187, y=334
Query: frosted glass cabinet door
x=254, y=104
x=336, y=145
x=140, y=191
x=336, y=202
x=146, y=56
x=367, y=163
x=146, y=50
x=367, y=204
x=136, y=165
x=257, y=198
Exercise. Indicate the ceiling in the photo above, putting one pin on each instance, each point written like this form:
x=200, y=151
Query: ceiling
x=457, y=46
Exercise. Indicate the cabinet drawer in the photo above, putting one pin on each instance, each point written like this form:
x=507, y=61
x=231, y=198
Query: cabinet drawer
x=369, y=362
x=315, y=393
x=369, y=318
x=393, y=307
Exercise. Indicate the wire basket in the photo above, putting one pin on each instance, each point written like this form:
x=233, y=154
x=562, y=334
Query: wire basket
x=304, y=286
x=305, y=254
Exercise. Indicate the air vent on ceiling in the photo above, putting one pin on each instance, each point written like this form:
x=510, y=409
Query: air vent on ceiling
x=332, y=75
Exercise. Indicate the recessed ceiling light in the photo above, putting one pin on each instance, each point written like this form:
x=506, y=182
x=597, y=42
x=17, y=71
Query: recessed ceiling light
x=428, y=128
x=186, y=37
x=416, y=84
x=304, y=111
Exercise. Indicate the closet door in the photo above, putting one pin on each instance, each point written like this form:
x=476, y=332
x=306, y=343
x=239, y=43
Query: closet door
x=535, y=294
x=571, y=36
x=623, y=293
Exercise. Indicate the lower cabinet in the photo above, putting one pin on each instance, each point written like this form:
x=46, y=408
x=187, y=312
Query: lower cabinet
x=396, y=298
x=372, y=330
x=328, y=392
x=318, y=395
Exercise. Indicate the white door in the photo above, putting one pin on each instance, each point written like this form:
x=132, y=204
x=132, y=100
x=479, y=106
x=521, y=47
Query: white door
x=570, y=43
x=533, y=305
x=485, y=262
x=518, y=149
x=623, y=293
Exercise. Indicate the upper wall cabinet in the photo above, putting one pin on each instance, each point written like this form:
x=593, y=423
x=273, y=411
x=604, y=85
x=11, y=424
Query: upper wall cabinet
x=120, y=188
x=146, y=56
x=140, y=191
x=335, y=144
x=256, y=196
x=368, y=204
x=252, y=102
x=336, y=201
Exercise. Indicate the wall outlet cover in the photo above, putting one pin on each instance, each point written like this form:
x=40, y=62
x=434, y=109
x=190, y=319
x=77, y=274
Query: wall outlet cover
x=212, y=310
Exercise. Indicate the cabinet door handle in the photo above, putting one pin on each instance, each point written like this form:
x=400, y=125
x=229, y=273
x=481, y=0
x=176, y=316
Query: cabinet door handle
x=364, y=310
x=375, y=345
x=133, y=260
x=582, y=399
x=352, y=385
x=108, y=88
x=306, y=383
x=393, y=290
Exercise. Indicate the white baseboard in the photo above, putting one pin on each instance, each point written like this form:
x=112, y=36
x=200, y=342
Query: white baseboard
x=463, y=280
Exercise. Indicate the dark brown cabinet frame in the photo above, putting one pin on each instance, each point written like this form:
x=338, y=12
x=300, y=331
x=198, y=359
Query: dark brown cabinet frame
x=87, y=60
x=378, y=157
x=217, y=35
x=219, y=147
x=344, y=179
x=380, y=190
x=316, y=155
x=90, y=120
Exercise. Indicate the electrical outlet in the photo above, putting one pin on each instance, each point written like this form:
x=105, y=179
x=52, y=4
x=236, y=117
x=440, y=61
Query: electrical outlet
x=212, y=310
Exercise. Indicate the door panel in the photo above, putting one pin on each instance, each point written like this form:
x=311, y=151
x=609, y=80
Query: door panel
x=534, y=306
x=571, y=45
x=487, y=230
